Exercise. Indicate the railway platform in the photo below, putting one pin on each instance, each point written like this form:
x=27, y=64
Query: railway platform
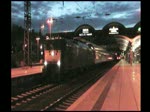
x=118, y=90
x=24, y=71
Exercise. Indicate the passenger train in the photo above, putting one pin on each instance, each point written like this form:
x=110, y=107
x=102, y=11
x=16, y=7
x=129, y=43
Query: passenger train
x=62, y=55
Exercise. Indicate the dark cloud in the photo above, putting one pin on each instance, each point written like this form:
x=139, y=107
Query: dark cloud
x=17, y=8
x=18, y=5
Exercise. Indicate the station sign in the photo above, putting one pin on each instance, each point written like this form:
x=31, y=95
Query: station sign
x=113, y=30
x=85, y=32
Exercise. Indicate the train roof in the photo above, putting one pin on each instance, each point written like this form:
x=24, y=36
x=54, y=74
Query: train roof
x=98, y=48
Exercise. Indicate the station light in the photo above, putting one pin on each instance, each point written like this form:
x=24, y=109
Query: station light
x=110, y=58
x=25, y=45
x=139, y=29
x=47, y=38
x=41, y=52
x=41, y=46
x=38, y=38
x=45, y=63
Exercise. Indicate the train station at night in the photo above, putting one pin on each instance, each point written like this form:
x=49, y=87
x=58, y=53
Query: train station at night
x=75, y=56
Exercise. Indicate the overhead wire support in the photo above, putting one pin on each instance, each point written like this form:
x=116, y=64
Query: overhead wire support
x=27, y=28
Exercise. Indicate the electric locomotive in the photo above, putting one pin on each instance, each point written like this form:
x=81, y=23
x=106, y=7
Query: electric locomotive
x=64, y=55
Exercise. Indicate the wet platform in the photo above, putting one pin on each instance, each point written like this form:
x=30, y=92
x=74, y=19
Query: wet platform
x=24, y=71
x=118, y=90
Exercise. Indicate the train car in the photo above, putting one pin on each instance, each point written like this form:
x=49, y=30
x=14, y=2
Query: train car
x=101, y=53
x=103, y=57
x=62, y=55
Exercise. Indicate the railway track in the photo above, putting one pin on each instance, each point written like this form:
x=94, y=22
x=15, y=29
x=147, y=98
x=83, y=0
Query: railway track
x=31, y=94
x=65, y=101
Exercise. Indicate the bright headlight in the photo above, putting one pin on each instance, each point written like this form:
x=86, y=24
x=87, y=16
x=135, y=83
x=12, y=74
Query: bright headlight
x=58, y=63
x=45, y=63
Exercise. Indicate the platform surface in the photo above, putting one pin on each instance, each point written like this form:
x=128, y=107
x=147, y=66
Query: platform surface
x=23, y=71
x=118, y=90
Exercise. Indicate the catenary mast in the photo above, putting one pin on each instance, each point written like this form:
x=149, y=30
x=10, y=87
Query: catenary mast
x=27, y=28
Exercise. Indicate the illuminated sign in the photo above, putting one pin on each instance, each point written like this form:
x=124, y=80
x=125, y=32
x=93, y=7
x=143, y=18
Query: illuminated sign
x=85, y=32
x=113, y=30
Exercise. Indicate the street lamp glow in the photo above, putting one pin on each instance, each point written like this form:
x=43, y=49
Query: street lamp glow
x=42, y=26
x=41, y=46
x=41, y=52
x=47, y=38
x=50, y=21
x=37, y=38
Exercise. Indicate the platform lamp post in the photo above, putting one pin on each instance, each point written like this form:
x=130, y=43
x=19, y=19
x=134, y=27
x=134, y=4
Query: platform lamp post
x=42, y=40
x=40, y=33
x=37, y=39
x=42, y=28
x=50, y=22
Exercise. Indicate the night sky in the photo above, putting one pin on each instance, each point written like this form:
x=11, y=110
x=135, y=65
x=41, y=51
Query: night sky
x=96, y=14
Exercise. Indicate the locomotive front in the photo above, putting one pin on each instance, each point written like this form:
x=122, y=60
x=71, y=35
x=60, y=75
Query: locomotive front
x=52, y=57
